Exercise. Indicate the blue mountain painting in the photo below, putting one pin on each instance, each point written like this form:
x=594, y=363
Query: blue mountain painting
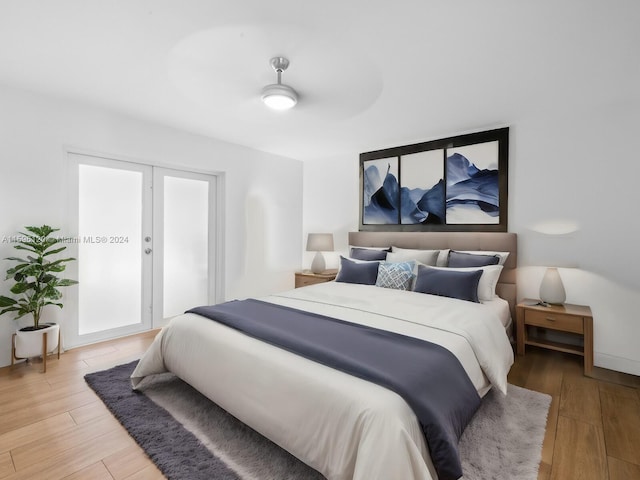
x=471, y=193
x=389, y=203
x=383, y=200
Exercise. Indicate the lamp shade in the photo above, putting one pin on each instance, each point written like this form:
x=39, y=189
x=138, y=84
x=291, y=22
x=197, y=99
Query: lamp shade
x=320, y=242
x=551, y=287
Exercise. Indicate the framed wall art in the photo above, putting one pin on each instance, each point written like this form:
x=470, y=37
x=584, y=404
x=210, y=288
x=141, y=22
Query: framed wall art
x=452, y=184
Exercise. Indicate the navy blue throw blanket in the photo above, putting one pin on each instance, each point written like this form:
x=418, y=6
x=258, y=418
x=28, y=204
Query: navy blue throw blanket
x=429, y=377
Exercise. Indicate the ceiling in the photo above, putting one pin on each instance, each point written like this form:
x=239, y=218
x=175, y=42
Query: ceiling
x=370, y=74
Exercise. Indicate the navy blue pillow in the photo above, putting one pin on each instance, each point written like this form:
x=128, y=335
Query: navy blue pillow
x=365, y=273
x=368, y=254
x=463, y=260
x=454, y=284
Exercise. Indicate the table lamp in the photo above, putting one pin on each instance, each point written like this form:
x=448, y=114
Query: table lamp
x=319, y=242
x=551, y=288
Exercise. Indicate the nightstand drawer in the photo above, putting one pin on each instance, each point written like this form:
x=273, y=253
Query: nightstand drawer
x=554, y=321
x=304, y=280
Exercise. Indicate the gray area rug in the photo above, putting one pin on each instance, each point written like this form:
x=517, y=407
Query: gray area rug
x=189, y=437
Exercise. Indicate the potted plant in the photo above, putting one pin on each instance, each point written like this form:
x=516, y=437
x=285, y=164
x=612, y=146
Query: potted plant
x=36, y=286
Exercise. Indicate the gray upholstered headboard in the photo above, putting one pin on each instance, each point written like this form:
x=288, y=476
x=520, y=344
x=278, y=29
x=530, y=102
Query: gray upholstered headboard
x=502, y=242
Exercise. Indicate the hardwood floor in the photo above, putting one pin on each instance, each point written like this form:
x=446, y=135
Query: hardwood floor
x=593, y=427
x=52, y=426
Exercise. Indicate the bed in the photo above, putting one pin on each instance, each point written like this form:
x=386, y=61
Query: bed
x=481, y=241
x=344, y=426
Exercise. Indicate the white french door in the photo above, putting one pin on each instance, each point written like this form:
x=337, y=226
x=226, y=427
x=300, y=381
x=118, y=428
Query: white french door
x=146, y=246
x=185, y=242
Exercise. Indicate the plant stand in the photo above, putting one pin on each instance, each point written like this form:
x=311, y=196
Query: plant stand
x=44, y=350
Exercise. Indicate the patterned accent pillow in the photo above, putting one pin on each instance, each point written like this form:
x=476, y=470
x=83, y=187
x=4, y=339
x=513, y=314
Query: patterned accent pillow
x=398, y=276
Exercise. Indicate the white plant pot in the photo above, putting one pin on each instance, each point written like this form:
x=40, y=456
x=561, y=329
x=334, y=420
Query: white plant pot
x=29, y=343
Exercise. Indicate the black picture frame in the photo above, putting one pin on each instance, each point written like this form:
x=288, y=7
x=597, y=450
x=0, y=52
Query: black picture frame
x=470, y=193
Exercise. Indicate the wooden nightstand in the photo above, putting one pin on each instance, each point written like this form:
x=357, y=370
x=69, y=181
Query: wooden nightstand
x=574, y=321
x=307, y=277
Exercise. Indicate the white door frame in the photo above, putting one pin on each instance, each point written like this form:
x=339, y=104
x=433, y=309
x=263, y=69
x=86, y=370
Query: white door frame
x=216, y=259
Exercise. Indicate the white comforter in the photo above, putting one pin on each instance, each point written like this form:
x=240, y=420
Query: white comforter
x=343, y=426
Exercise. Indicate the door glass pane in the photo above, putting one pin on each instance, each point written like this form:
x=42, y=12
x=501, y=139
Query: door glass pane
x=109, y=250
x=186, y=240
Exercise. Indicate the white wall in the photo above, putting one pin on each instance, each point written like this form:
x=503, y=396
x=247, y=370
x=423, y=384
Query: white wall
x=263, y=192
x=577, y=167
x=330, y=203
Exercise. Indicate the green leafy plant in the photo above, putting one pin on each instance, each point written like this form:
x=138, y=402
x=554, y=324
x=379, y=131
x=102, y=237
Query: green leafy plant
x=36, y=283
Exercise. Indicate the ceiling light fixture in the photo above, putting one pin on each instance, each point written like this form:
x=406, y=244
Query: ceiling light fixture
x=277, y=95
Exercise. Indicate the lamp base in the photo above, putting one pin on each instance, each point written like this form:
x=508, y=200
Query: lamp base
x=551, y=289
x=318, y=265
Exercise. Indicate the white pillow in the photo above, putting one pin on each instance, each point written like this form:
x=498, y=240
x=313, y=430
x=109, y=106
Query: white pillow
x=426, y=257
x=357, y=260
x=414, y=254
x=501, y=255
x=488, y=280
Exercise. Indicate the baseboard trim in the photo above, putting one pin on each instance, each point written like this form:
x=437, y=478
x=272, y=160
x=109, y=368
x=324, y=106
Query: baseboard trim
x=619, y=364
